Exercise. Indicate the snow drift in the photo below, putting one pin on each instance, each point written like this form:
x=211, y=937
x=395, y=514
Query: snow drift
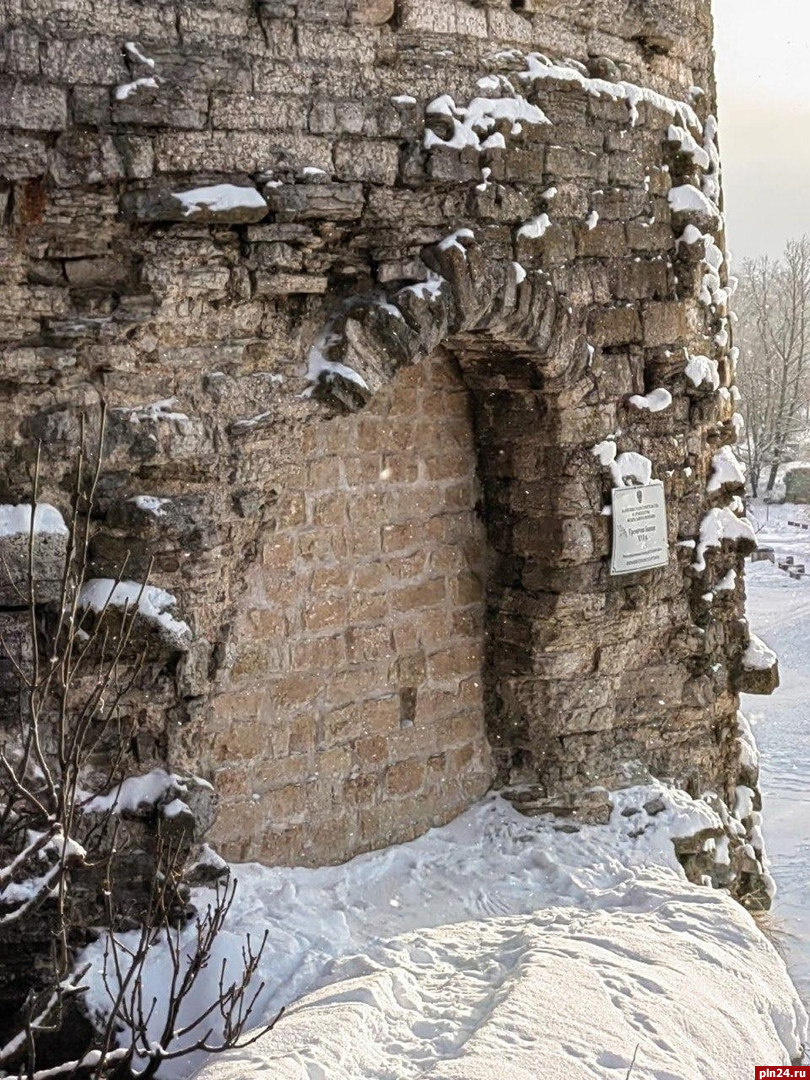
x=505, y=941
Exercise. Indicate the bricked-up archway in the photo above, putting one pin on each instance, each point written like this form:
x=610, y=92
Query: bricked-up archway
x=353, y=713
x=359, y=703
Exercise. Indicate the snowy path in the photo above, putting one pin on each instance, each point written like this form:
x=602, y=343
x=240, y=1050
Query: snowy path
x=779, y=612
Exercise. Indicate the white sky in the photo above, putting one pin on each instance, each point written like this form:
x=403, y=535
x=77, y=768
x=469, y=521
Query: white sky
x=763, y=70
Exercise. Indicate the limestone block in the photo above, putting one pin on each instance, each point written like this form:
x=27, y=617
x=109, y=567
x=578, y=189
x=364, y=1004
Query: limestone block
x=433, y=16
x=445, y=163
x=665, y=323
x=162, y=107
x=375, y=162
x=273, y=112
x=138, y=156
x=85, y=158
x=91, y=105
x=32, y=108
x=288, y=284
x=228, y=151
x=278, y=256
x=98, y=60
x=106, y=272
x=321, y=11
x=605, y=241
x=602, y=67
x=636, y=279
x=758, y=671
x=21, y=52
x=371, y=12
x=643, y=236
x=327, y=201
x=570, y=162
x=615, y=326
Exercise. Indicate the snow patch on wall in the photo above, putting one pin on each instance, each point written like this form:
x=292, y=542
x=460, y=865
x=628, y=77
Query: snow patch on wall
x=539, y=68
x=718, y=525
x=726, y=470
x=135, y=793
x=758, y=657
x=151, y=603
x=218, y=198
x=700, y=369
x=16, y=520
x=473, y=125
x=655, y=401
x=535, y=228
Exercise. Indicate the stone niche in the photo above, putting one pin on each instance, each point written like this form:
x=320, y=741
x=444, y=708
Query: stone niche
x=354, y=710
x=363, y=285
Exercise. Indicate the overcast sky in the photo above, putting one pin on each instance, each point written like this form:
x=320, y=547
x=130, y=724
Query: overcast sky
x=763, y=70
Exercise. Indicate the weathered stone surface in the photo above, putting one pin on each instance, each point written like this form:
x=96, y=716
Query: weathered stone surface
x=374, y=12
x=591, y=806
x=32, y=108
x=758, y=681
x=104, y=272
x=302, y=202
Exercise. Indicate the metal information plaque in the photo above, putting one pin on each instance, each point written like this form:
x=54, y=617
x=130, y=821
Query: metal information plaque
x=639, y=529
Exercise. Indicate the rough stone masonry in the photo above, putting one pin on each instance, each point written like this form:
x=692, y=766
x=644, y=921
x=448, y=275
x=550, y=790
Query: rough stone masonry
x=384, y=298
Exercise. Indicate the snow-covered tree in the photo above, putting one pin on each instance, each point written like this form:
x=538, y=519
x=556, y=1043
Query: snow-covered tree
x=773, y=334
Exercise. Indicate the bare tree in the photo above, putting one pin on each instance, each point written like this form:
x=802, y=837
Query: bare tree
x=74, y=668
x=773, y=334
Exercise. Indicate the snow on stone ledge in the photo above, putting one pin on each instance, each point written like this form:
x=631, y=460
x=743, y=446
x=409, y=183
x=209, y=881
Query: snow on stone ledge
x=225, y=202
x=727, y=470
x=454, y=241
x=152, y=605
x=150, y=504
x=690, y=201
x=688, y=145
x=701, y=369
x=136, y=792
x=473, y=125
x=320, y=367
x=624, y=467
x=539, y=68
x=718, y=525
x=126, y=90
x=535, y=228
x=154, y=411
x=758, y=657
x=16, y=520
x=655, y=401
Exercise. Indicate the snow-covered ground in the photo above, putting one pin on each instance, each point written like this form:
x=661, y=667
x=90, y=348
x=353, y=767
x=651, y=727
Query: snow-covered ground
x=779, y=612
x=503, y=941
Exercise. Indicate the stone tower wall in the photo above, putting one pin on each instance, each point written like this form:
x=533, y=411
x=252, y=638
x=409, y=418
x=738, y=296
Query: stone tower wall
x=369, y=384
